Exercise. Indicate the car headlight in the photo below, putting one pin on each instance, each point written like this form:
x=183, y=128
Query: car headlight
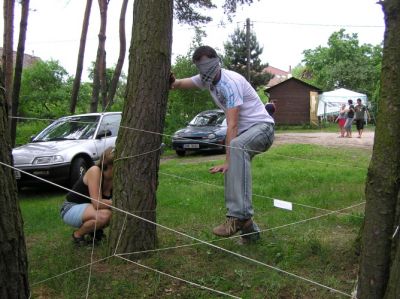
x=176, y=136
x=211, y=136
x=48, y=160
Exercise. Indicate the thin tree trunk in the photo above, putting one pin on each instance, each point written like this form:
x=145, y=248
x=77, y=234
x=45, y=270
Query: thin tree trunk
x=81, y=55
x=8, y=62
x=19, y=62
x=136, y=179
x=122, y=49
x=103, y=83
x=13, y=260
x=383, y=180
x=98, y=80
x=102, y=41
x=98, y=73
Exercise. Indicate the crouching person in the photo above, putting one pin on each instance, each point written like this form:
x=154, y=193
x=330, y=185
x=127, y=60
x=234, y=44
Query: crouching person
x=88, y=206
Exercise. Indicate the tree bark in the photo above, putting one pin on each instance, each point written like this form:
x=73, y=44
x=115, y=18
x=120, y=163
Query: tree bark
x=136, y=179
x=13, y=260
x=383, y=180
x=122, y=49
x=19, y=62
x=81, y=55
x=8, y=62
x=99, y=69
x=393, y=289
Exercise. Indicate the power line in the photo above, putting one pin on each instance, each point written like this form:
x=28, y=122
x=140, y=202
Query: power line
x=319, y=24
x=283, y=23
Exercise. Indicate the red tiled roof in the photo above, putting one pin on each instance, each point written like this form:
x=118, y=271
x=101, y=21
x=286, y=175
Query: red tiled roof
x=275, y=71
x=279, y=75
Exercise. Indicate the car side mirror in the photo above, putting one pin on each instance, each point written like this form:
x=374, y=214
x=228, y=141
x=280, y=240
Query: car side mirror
x=103, y=133
x=32, y=137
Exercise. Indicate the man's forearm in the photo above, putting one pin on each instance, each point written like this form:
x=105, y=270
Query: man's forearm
x=231, y=133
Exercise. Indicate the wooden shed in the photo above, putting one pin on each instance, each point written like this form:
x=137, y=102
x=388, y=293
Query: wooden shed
x=296, y=102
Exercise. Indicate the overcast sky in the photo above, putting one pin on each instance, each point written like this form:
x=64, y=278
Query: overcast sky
x=285, y=28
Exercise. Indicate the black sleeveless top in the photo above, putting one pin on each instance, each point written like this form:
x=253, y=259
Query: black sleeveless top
x=81, y=188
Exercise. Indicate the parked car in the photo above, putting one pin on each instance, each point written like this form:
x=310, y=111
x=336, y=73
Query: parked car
x=206, y=131
x=64, y=150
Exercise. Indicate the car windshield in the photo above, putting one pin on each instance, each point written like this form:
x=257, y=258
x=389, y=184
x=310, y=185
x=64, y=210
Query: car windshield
x=71, y=128
x=208, y=119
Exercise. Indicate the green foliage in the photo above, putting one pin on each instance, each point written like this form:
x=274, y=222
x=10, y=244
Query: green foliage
x=187, y=11
x=44, y=91
x=27, y=129
x=236, y=58
x=344, y=63
x=118, y=101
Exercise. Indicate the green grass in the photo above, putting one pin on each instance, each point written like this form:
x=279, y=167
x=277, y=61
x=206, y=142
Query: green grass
x=322, y=250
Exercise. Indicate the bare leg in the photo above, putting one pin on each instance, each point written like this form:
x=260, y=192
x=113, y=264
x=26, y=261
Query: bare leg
x=89, y=220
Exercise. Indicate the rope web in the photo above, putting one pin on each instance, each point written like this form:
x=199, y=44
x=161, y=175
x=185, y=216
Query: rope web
x=194, y=240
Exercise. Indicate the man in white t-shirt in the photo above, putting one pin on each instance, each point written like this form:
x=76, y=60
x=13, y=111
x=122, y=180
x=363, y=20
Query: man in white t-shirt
x=250, y=131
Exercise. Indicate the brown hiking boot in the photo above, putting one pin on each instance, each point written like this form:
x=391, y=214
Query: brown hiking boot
x=231, y=226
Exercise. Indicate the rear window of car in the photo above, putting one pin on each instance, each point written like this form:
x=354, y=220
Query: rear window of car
x=208, y=119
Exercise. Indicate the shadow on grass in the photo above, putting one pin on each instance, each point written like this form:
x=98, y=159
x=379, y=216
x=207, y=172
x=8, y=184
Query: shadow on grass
x=40, y=190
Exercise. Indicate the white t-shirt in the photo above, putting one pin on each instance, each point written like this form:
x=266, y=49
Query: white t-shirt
x=233, y=90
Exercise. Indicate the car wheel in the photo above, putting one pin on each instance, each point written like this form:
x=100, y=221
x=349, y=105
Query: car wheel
x=79, y=167
x=181, y=153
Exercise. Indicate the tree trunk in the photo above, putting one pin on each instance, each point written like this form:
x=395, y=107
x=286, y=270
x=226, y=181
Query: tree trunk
x=393, y=289
x=13, y=260
x=102, y=71
x=8, y=62
x=383, y=180
x=98, y=71
x=81, y=55
x=136, y=179
x=19, y=61
x=103, y=84
x=122, y=49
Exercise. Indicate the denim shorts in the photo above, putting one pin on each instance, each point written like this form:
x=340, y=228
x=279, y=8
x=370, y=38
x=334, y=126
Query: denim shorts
x=74, y=215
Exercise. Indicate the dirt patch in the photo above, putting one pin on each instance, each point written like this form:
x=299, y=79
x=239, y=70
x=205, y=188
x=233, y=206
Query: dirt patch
x=319, y=138
x=326, y=139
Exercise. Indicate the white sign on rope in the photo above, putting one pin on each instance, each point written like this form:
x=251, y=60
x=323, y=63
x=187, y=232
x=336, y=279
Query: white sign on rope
x=283, y=204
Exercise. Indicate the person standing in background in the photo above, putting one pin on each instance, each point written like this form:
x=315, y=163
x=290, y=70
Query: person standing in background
x=349, y=118
x=360, y=111
x=341, y=120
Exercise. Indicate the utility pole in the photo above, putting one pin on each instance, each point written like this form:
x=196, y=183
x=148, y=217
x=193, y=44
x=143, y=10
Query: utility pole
x=248, y=48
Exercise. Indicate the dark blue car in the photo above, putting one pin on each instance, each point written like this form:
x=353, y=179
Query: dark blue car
x=206, y=131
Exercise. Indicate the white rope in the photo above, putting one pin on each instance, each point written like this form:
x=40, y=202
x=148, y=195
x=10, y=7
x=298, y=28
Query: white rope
x=99, y=197
x=176, y=247
x=178, y=278
x=120, y=234
x=248, y=234
x=139, y=155
x=222, y=145
x=395, y=232
x=209, y=244
x=316, y=161
x=201, y=241
x=72, y=270
x=255, y=195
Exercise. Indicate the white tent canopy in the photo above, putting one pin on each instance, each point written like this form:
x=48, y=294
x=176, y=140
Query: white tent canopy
x=329, y=102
